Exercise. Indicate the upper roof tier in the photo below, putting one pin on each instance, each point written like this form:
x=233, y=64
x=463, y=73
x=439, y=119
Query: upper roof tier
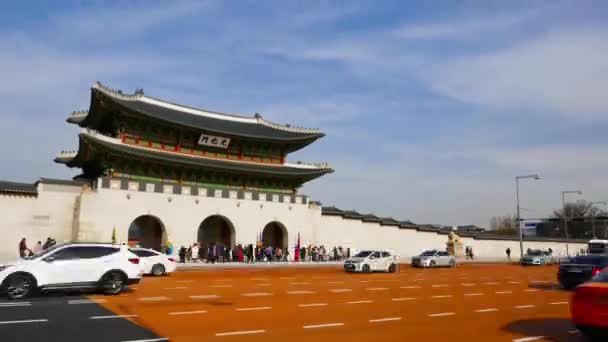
x=106, y=103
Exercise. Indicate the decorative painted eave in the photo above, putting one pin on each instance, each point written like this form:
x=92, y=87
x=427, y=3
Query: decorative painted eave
x=65, y=157
x=77, y=117
x=138, y=96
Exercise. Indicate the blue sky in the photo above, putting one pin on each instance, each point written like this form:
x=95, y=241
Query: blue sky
x=430, y=108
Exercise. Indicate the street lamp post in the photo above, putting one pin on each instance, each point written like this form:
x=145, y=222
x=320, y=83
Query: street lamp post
x=521, y=234
x=578, y=192
x=593, y=216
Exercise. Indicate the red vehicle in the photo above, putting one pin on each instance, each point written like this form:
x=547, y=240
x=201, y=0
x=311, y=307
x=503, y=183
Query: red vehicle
x=590, y=307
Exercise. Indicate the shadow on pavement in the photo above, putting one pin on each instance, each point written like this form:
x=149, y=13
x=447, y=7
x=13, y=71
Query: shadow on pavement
x=553, y=329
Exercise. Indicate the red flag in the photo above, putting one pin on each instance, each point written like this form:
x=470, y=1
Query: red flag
x=297, y=251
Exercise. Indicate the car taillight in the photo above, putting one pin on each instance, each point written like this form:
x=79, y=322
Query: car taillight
x=134, y=260
x=596, y=271
x=171, y=259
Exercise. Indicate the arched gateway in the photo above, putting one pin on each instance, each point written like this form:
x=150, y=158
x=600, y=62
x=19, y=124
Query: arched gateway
x=275, y=235
x=147, y=231
x=216, y=229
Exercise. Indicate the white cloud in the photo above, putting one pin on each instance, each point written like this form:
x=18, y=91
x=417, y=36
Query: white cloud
x=562, y=72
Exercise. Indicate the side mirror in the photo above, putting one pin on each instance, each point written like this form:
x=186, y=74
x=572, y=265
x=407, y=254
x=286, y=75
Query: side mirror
x=49, y=259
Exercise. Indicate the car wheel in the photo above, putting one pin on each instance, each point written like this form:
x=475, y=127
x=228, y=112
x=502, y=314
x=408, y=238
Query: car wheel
x=392, y=268
x=433, y=264
x=112, y=283
x=19, y=286
x=365, y=269
x=158, y=270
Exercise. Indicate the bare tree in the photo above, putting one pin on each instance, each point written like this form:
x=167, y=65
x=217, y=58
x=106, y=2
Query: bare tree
x=578, y=209
x=578, y=214
x=504, y=225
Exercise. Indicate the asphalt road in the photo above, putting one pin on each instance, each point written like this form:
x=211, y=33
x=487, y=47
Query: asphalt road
x=468, y=303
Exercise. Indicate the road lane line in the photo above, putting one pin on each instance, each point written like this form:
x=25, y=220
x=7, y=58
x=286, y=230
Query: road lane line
x=530, y=290
x=204, y=297
x=468, y=284
x=8, y=305
x=245, y=332
x=444, y=296
x=178, y=313
x=335, y=282
x=376, y=289
x=410, y=287
x=300, y=292
x=442, y=314
x=401, y=299
x=558, y=303
x=264, y=284
x=440, y=285
x=152, y=299
x=487, y=310
x=360, y=302
x=491, y=283
x=25, y=321
x=514, y=282
x=328, y=325
x=528, y=339
x=254, y=309
x=112, y=316
x=340, y=290
x=150, y=340
x=364, y=281
x=524, y=306
x=86, y=301
x=503, y=292
x=388, y=319
x=474, y=294
x=256, y=294
x=311, y=305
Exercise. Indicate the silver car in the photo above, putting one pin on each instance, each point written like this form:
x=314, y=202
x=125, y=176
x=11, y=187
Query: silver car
x=434, y=258
x=537, y=257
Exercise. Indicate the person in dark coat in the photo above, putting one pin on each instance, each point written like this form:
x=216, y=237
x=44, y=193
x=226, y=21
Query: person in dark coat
x=182, y=255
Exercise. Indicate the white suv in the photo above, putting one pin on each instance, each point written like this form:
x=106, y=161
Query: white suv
x=104, y=267
x=372, y=261
x=153, y=262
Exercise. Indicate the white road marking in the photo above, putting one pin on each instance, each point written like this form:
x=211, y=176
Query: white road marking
x=514, y=282
x=220, y=286
x=503, y=292
x=265, y=284
x=328, y=325
x=312, y=305
x=473, y=294
x=530, y=290
x=524, y=306
x=468, y=284
x=444, y=296
x=442, y=314
x=409, y=287
x=86, y=301
x=177, y=313
x=558, y=303
x=300, y=292
x=376, y=289
x=527, y=339
x=8, y=305
x=335, y=282
x=256, y=294
x=385, y=319
x=441, y=285
x=112, y=316
x=245, y=332
x=360, y=302
x=150, y=340
x=401, y=299
x=205, y=297
x=254, y=309
x=340, y=290
x=152, y=299
x=25, y=321
x=364, y=281
x=491, y=283
x=487, y=310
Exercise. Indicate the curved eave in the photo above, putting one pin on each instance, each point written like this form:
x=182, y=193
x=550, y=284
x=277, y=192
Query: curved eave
x=88, y=141
x=77, y=117
x=213, y=123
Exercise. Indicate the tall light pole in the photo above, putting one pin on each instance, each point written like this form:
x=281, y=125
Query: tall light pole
x=521, y=233
x=593, y=216
x=578, y=192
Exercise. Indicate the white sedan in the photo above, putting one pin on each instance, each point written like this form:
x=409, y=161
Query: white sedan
x=372, y=261
x=153, y=262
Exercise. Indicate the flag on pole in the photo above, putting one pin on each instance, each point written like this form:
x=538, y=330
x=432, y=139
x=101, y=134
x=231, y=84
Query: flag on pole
x=297, y=251
x=114, y=235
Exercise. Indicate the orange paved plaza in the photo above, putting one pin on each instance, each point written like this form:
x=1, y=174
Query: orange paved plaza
x=472, y=302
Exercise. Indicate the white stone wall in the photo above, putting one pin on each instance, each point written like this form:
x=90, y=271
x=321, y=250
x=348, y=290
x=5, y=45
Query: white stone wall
x=51, y=213
x=36, y=218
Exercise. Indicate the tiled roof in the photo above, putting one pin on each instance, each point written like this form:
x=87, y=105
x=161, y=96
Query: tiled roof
x=18, y=188
x=331, y=211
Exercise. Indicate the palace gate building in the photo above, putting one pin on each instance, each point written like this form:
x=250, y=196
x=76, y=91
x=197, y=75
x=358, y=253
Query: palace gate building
x=154, y=171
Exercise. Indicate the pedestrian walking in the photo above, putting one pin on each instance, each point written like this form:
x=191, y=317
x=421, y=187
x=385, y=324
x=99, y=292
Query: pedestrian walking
x=508, y=251
x=38, y=248
x=182, y=255
x=24, y=252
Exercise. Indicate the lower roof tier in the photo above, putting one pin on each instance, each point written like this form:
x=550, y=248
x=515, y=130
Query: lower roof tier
x=95, y=151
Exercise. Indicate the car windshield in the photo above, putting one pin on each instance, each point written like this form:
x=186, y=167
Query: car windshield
x=428, y=253
x=363, y=254
x=44, y=252
x=535, y=253
x=589, y=260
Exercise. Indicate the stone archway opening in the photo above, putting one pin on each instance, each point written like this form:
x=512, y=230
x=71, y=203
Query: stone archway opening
x=217, y=230
x=147, y=231
x=275, y=235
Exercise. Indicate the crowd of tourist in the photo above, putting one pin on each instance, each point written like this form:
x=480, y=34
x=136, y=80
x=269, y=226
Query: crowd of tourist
x=25, y=251
x=218, y=253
